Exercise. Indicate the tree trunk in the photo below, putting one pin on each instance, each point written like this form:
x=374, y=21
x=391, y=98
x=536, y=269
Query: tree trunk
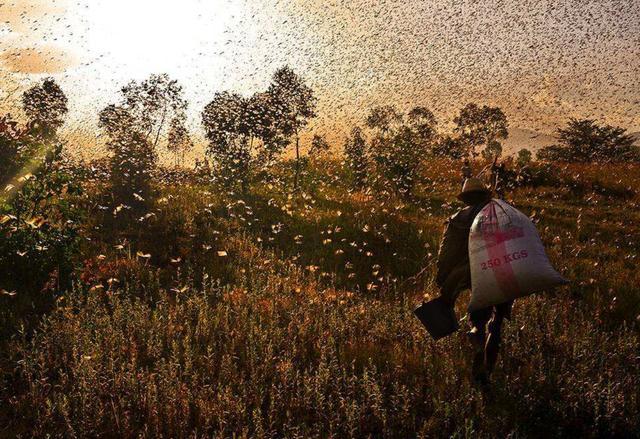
x=164, y=115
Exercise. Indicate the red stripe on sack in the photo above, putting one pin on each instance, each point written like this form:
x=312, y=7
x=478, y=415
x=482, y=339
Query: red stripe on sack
x=496, y=249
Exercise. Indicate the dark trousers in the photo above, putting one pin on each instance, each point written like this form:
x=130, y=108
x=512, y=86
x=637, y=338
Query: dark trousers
x=486, y=323
x=485, y=336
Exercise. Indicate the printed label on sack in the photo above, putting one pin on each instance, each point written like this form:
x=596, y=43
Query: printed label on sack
x=505, y=259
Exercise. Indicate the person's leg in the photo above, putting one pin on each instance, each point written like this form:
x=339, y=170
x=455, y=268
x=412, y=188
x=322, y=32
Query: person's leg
x=477, y=336
x=493, y=340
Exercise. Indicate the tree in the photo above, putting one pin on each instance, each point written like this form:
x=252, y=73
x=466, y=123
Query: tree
x=492, y=150
x=398, y=148
x=45, y=105
x=132, y=158
x=265, y=127
x=153, y=103
x=134, y=128
x=450, y=147
x=384, y=118
x=586, y=141
x=479, y=126
x=117, y=122
x=398, y=158
x=229, y=132
x=319, y=145
x=295, y=104
x=355, y=151
x=179, y=140
x=524, y=157
x=423, y=123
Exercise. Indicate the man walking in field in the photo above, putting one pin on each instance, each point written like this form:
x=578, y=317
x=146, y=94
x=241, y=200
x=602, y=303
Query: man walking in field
x=454, y=276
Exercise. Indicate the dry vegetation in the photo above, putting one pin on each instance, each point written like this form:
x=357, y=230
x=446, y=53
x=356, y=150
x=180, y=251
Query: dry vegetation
x=189, y=260
x=277, y=315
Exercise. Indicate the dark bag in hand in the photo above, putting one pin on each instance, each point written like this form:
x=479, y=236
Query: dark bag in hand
x=438, y=317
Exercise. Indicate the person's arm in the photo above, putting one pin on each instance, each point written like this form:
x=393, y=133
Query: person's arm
x=449, y=252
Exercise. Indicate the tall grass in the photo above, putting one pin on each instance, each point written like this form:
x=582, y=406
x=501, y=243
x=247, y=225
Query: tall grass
x=274, y=338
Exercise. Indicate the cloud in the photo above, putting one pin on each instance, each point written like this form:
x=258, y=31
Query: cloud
x=37, y=60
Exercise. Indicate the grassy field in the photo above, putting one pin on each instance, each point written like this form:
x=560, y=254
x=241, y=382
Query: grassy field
x=272, y=314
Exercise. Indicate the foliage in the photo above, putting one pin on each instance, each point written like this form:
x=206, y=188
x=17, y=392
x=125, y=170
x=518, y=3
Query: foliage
x=45, y=105
x=178, y=139
x=449, y=146
x=384, y=118
x=295, y=103
x=39, y=227
x=397, y=159
x=134, y=128
x=422, y=121
x=583, y=140
x=132, y=157
x=17, y=146
x=356, y=154
x=524, y=157
x=492, y=151
x=319, y=145
x=152, y=103
x=479, y=126
x=263, y=116
x=131, y=168
x=553, y=153
x=230, y=137
x=398, y=148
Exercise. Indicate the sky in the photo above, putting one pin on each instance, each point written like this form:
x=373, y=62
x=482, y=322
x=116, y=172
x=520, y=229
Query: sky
x=541, y=61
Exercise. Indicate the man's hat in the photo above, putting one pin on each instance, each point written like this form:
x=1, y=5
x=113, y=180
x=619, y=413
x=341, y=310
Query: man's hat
x=472, y=185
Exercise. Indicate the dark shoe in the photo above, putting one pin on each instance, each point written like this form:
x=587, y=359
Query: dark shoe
x=481, y=379
x=491, y=351
x=478, y=368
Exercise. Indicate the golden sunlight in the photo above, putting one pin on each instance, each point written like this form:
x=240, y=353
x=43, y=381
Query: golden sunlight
x=319, y=218
x=149, y=35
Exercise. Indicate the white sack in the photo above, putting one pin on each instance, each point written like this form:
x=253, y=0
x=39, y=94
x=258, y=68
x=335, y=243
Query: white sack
x=507, y=257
